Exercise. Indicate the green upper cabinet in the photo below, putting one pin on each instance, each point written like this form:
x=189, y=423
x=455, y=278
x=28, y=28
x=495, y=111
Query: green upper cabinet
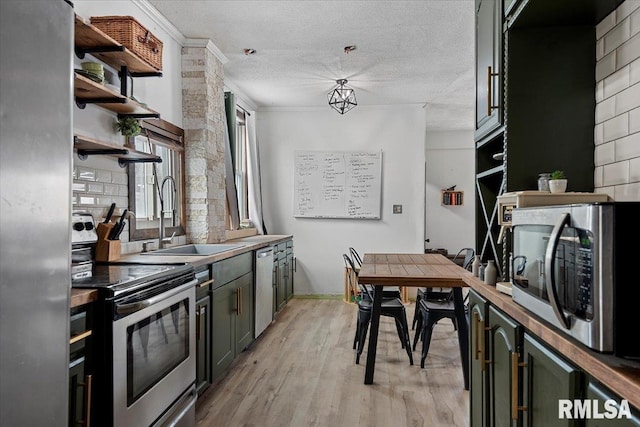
x=488, y=66
x=546, y=379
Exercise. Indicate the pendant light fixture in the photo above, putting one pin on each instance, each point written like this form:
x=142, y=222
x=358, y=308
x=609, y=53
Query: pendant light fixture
x=342, y=98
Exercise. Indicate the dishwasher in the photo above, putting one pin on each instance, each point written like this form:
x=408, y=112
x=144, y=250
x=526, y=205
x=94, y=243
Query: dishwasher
x=264, y=289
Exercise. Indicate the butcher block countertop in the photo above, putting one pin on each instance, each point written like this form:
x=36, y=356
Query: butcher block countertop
x=622, y=376
x=82, y=296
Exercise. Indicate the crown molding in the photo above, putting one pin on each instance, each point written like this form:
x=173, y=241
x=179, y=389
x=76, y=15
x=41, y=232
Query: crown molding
x=207, y=44
x=160, y=20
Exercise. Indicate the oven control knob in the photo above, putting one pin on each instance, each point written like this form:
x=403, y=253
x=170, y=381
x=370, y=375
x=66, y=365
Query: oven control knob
x=78, y=226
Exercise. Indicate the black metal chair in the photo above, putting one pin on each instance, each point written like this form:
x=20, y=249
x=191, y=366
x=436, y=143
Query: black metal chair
x=391, y=307
x=464, y=258
x=387, y=292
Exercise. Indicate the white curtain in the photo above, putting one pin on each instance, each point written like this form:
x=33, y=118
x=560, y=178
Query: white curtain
x=253, y=175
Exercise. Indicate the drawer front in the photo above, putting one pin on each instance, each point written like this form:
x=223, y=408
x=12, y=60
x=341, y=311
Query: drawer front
x=203, y=275
x=231, y=268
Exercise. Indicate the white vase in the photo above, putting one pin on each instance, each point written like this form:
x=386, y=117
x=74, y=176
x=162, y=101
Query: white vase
x=558, y=185
x=475, y=267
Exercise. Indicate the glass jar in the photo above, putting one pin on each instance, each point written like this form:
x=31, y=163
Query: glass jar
x=543, y=181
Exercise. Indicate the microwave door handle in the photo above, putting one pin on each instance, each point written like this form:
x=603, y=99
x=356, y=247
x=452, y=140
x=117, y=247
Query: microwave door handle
x=550, y=265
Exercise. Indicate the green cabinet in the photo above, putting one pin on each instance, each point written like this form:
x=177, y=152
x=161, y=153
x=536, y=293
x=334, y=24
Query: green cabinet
x=546, y=379
x=80, y=369
x=515, y=379
x=478, y=380
x=283, y=270
x=504, y=339
x=598, y=392
x=290, y=268
x=203, y=328
x=231, y=310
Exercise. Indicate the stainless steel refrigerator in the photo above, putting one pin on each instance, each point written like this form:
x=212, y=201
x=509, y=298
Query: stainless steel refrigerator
x=36, y=104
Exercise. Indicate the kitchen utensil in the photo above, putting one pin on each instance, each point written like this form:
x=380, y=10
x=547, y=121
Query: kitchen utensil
x=111, y=209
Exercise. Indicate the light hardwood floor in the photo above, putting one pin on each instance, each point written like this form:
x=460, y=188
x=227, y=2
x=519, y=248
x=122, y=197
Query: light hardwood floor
x=302, y=372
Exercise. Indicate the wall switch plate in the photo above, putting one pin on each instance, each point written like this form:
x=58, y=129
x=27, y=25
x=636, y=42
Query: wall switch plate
x=397, y=209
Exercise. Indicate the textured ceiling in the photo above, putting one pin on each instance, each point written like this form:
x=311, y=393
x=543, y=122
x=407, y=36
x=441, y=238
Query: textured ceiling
x=408, y=52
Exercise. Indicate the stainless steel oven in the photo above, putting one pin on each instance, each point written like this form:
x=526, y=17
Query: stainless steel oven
x=145, y=353
x=574, y=267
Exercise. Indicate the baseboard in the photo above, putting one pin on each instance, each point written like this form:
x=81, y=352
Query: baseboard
x=319, y=296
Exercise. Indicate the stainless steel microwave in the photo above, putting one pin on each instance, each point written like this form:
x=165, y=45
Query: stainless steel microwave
x=575, y=266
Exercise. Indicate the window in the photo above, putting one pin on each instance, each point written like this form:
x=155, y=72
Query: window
x=146, y=180
x=240, y=164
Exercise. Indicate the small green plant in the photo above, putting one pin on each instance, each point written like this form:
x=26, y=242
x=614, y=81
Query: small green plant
x=129, y=126
x=558, y=175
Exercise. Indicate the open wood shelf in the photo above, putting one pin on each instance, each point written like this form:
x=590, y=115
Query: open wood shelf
x=86, y=146
x=87, y=91
x=89, y=39
x=451, y=198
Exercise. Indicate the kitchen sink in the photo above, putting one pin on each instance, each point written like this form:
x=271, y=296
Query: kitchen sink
x=196, y=250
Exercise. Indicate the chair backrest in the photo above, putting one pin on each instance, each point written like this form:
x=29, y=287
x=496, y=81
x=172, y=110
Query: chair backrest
x=468, y=254
x=348, y=263
x=355, y=257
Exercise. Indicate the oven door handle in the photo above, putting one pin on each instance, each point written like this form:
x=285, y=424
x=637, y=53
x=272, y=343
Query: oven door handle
x=550, y=266
x=139, y=305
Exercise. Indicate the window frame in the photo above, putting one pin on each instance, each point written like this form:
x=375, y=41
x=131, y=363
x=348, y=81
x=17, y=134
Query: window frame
x=164, y=134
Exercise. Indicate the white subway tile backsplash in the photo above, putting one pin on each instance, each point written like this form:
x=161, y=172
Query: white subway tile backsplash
x=627, y=192
x=119, y=178
x=95, y=187
x=628, y=99
x=86, y=174
x=628, y=52
x=597, y=176
x=606, y=66
x=123, y=191
x=598, y=134
x=606, y=110
x=627, y=147
x=635, y=22
x=606, y=25
x=605, y=154
x=616, y=173
x=634, y=120
x=103, y=176
x=627, y=8
x=616, y=36
x=634, y=170
x=634, y=72
x=616, y=128
x=110, y=190
x=86, y=200
x=79, y=186
x=616, y=82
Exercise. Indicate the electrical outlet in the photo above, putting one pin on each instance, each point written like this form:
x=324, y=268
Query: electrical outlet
x=397, y=209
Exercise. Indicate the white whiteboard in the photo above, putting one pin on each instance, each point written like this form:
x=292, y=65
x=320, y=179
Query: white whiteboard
x=337, y=184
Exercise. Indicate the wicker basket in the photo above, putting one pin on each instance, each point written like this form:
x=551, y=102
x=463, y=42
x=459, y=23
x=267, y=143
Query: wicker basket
x=127, y=31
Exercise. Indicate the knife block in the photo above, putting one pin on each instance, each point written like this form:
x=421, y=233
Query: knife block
x=106, y=250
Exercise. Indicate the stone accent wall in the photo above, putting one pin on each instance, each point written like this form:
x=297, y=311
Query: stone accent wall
x=617, y=130
x=203, y=115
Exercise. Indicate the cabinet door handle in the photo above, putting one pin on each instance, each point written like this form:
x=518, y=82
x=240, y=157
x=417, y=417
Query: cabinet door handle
x=490, y=77
x=515, y=408
x=476, y=331
x=295, y=264
x=201, y=313
x=87, y=400
x=240, y=303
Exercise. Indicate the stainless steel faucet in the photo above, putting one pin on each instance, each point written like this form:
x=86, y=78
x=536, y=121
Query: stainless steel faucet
x=163, y=240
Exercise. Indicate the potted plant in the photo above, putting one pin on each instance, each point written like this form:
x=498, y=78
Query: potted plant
x=558, y=182
x=129, y=126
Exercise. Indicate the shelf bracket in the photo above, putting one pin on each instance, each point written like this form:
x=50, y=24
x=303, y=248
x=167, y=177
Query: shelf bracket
x=82, y=103
x=124, y=162
x=84, y=153
x=82, y=51
x=140, y=115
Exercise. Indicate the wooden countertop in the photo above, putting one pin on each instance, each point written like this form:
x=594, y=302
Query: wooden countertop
x=82, y=296
x=622, y=376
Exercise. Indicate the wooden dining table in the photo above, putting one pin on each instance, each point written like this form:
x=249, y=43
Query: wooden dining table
x=413, y=270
